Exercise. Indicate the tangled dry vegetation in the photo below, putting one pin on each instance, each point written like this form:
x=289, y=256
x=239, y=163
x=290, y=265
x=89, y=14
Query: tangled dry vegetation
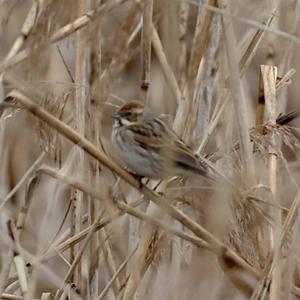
x=75, y=224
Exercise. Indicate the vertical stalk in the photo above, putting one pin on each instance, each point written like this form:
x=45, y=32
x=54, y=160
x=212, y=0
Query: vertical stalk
x=94, y=206
x=81, y=78
x=238, y=96
x=269, y=76
x=146, y=48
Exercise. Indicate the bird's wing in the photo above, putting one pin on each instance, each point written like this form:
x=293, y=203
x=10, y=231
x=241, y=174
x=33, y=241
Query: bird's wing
x=185, y=158
x=149, y=134
x=157, y=136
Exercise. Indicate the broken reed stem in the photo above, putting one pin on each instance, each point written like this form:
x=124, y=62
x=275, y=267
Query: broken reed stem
x=251, y=49
x=146, y=49
x=22, y=274
x=216, y=246
x=269, y=77
x=263, y=234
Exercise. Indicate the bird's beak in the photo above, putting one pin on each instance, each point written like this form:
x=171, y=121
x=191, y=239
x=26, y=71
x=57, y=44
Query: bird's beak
x=116, y=115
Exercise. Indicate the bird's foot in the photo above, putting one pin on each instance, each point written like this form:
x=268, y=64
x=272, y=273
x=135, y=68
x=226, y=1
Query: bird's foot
x=139, y=179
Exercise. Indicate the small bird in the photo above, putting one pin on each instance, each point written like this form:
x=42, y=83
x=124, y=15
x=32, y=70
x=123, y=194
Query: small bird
x=149, y=147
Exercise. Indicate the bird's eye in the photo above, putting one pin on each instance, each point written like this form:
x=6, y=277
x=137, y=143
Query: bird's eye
x=128, y=114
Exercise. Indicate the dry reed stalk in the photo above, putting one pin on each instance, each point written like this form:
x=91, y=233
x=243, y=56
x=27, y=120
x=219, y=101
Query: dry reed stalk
x=289, y=54
x=205, y=90
x=216, y=246
x=109, y=261
x=115, y=276
x=171, y=81
x=46, y=296
x=183, y=19
x=182, y=69
x=286, y=229
x=144, y=255
x=67, y=244
x=201, y=37
x=80, y=106
x=25, y=31
x=146, y=49
x=12, y=284
x=161, y=225
x=269, y=77
x=238, y=94
x=82, y=248
x=244, y=63
x=94, y=178
x=167, y=70
x=25, y=177
x=22, y=274
x=19, y=262
x=250, y=22
x=6, y=271
x=51, y=276
x=124, y=207
x=196, y=70
x=6, y=296
x=263, y=232
x=255, y=41
x=64, y=32
x=119, y=57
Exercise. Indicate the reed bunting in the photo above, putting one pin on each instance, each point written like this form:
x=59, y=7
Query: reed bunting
x=149, y=147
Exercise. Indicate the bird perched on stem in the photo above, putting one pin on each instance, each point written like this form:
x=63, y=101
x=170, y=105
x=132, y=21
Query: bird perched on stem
x=149, y=147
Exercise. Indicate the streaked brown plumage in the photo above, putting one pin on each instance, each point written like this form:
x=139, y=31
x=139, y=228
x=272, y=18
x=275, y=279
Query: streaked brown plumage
x=149, y=147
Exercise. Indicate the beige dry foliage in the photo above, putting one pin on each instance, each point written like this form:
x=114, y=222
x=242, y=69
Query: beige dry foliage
x=74, y=224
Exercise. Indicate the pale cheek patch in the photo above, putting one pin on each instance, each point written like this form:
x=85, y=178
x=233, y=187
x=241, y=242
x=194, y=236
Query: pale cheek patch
x=125, y=122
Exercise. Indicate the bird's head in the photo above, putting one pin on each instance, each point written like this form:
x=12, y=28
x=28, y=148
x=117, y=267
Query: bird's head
x=129, y=113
